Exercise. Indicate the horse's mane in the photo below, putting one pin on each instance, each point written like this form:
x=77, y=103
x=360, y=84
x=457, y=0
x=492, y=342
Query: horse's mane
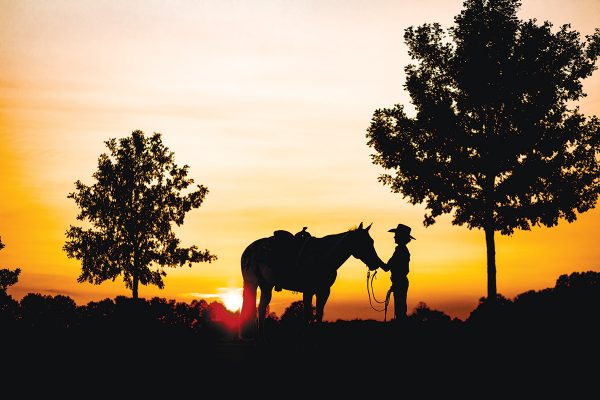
x=339, y=234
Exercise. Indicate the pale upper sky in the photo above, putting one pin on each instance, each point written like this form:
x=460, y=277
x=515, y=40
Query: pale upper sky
x=268, y=102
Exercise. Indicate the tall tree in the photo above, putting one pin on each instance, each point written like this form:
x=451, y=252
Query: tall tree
x=495, y=138
x=139, y=193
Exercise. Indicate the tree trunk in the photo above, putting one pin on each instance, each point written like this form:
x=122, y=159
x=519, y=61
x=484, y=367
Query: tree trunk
x=491, y=264
x=134, y=289
x=136, y=271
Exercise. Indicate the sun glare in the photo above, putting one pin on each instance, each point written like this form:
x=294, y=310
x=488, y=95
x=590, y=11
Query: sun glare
x=232, y=299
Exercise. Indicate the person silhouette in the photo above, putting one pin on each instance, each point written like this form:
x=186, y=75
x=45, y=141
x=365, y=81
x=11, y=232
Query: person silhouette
x=398, y=264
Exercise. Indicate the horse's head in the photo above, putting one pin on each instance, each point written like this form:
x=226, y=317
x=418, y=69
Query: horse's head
x=363, y=247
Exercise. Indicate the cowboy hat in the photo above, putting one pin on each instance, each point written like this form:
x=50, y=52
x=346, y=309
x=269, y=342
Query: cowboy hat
x=402, y=229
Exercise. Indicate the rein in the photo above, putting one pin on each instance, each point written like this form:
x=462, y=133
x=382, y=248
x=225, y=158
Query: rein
x=371, y=293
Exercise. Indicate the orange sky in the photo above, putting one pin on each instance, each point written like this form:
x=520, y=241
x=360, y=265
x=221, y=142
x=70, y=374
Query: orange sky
x=268, y=102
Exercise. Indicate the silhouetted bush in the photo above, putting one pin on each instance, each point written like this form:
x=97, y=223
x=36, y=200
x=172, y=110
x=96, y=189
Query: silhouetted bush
x=490, y=313
x=424, y=315
x=9, y=309
x=294, y=314
x=48, y=312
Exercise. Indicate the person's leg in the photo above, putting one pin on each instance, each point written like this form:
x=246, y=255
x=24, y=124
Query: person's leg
x=400, y=295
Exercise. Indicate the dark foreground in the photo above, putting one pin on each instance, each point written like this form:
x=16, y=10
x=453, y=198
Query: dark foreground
x=345, y=357
x=541, y=344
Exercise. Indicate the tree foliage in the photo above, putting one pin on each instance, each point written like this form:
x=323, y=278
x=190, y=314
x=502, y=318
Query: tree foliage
x=138, y=194
x=496, y=139
x=8, y=277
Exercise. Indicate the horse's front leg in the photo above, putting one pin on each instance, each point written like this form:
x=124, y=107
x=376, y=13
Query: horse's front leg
x=265, y=299
x=307, y=301
x=322, y=296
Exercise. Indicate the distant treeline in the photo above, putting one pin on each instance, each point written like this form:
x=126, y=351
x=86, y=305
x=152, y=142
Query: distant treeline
x=573, y=301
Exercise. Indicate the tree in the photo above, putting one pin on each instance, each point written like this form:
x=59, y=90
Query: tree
x=138, y=194
x=7, y=277
x=493, y=140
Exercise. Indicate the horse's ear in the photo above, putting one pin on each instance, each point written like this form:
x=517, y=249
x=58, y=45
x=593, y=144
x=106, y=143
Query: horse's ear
x=360, y=226
x=368, y=227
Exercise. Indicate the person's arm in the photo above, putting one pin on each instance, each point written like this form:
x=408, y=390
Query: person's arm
x=386, y=267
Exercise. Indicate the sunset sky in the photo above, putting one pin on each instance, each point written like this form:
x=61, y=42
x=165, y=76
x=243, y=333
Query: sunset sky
x=268, y=102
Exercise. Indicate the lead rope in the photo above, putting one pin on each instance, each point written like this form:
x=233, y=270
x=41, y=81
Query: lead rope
x=371, y=293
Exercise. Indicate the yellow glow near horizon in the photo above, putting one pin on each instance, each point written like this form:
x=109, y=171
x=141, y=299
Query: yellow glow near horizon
x=268, y=103
x=232, y=299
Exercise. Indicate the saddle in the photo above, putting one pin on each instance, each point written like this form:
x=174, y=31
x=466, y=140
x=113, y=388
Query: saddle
x=287, y=255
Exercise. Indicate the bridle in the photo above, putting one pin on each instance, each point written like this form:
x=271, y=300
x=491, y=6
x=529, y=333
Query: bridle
x=371, y=293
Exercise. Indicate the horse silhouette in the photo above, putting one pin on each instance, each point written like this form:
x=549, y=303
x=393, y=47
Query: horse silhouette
x=302, y=264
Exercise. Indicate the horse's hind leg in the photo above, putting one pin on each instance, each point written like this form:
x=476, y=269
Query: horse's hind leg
x=265, y=299
x=248, y=312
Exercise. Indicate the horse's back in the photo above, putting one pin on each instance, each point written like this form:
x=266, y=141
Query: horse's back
x=288, y=262
x=267, y=250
